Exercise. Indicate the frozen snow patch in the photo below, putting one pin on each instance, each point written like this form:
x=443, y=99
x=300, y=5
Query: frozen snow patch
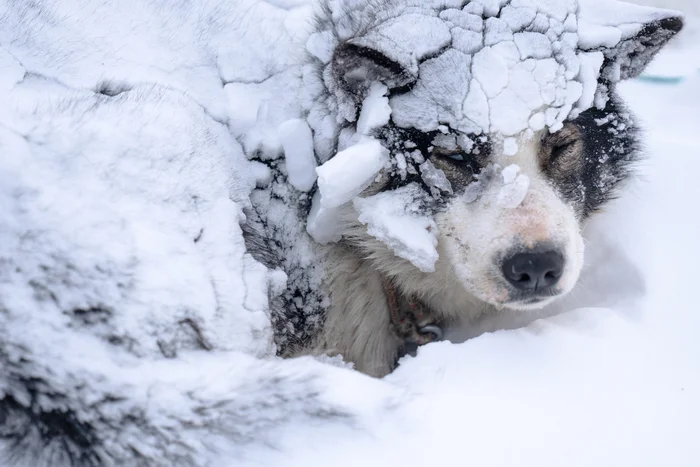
x=339, y=180
x=350, y=172
x=375, y=111
x=298, y=145
x=514, y=187
x=510, y=146
x=394, y=219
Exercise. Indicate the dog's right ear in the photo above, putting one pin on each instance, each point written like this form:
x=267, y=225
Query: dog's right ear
x=356, y=67
x=641, y=33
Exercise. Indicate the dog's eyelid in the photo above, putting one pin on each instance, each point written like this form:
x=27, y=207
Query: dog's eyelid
x=454, y=155
x=565, y=143
x=563, y=147
x=457, y=157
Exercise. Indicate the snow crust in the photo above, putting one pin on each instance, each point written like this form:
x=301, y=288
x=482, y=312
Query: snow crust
x=504, y=71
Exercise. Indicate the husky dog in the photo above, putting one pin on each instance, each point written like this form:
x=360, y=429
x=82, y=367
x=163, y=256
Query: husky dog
x=505, y=238
x=132, y=320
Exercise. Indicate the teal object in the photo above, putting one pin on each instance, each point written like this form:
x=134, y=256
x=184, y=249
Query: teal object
x=661, y=79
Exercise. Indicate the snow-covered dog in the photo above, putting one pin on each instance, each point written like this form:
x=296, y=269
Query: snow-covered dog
x=463, y=146
x=416, y=162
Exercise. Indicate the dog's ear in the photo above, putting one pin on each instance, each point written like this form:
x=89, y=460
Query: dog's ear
x=355, y=67
x=641, y=33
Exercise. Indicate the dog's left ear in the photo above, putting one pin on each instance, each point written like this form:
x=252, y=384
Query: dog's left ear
x=629, y=36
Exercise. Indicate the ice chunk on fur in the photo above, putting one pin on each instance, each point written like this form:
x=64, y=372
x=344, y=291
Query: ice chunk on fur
x=297, y=142
x=435, y=178
x=375, y=111
x=491, y=71
x=350, y=172
x=504, y=69
x=394, y=218
x=339, y=180
x=323, y=224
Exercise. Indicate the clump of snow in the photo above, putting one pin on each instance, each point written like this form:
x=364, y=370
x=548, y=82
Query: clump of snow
x=591, y=61
x=350, y=172
x=514, y=188
x=298, y=145
x=322, y=223
x=510, y=146
x=394, y=218
x=435, y=178
x=261, y=173
x=340, y=180
x=375, y=111
x=277, y=280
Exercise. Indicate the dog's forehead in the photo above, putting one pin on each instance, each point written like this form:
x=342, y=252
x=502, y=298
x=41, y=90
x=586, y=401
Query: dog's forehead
x=488, y=74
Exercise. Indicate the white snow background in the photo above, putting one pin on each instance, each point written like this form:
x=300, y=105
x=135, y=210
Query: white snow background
x=613, y=381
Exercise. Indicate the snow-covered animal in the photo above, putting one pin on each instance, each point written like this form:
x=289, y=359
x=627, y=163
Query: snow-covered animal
x=440, y=155
x=463, y=147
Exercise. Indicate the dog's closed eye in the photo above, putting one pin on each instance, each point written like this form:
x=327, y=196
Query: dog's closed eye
x=455, y=157
x=561, y=148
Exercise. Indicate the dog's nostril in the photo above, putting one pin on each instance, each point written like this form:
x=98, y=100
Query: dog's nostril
x=523, y=278
x=534, y=271
x=550, y=275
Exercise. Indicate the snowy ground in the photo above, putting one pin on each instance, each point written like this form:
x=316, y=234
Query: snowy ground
x=614, y=382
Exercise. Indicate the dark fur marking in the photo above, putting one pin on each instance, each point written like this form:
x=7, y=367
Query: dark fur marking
x=298, y=313
x=610, y=147
x=35, y=436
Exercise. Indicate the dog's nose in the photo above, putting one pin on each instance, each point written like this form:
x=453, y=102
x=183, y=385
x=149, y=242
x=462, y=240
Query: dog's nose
x=534, y=271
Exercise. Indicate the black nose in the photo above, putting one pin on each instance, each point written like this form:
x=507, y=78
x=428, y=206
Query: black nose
x=534, y=271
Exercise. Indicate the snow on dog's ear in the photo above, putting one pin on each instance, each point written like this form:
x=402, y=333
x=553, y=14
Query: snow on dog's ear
x=629, y=36
x=356, y=67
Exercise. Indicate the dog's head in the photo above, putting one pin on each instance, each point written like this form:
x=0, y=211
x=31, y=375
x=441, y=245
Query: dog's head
x=505, y=114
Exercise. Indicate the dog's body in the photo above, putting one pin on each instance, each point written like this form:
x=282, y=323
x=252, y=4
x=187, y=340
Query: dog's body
x=504, y=238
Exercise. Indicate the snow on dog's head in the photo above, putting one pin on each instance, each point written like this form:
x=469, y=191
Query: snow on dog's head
x=499, y=132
